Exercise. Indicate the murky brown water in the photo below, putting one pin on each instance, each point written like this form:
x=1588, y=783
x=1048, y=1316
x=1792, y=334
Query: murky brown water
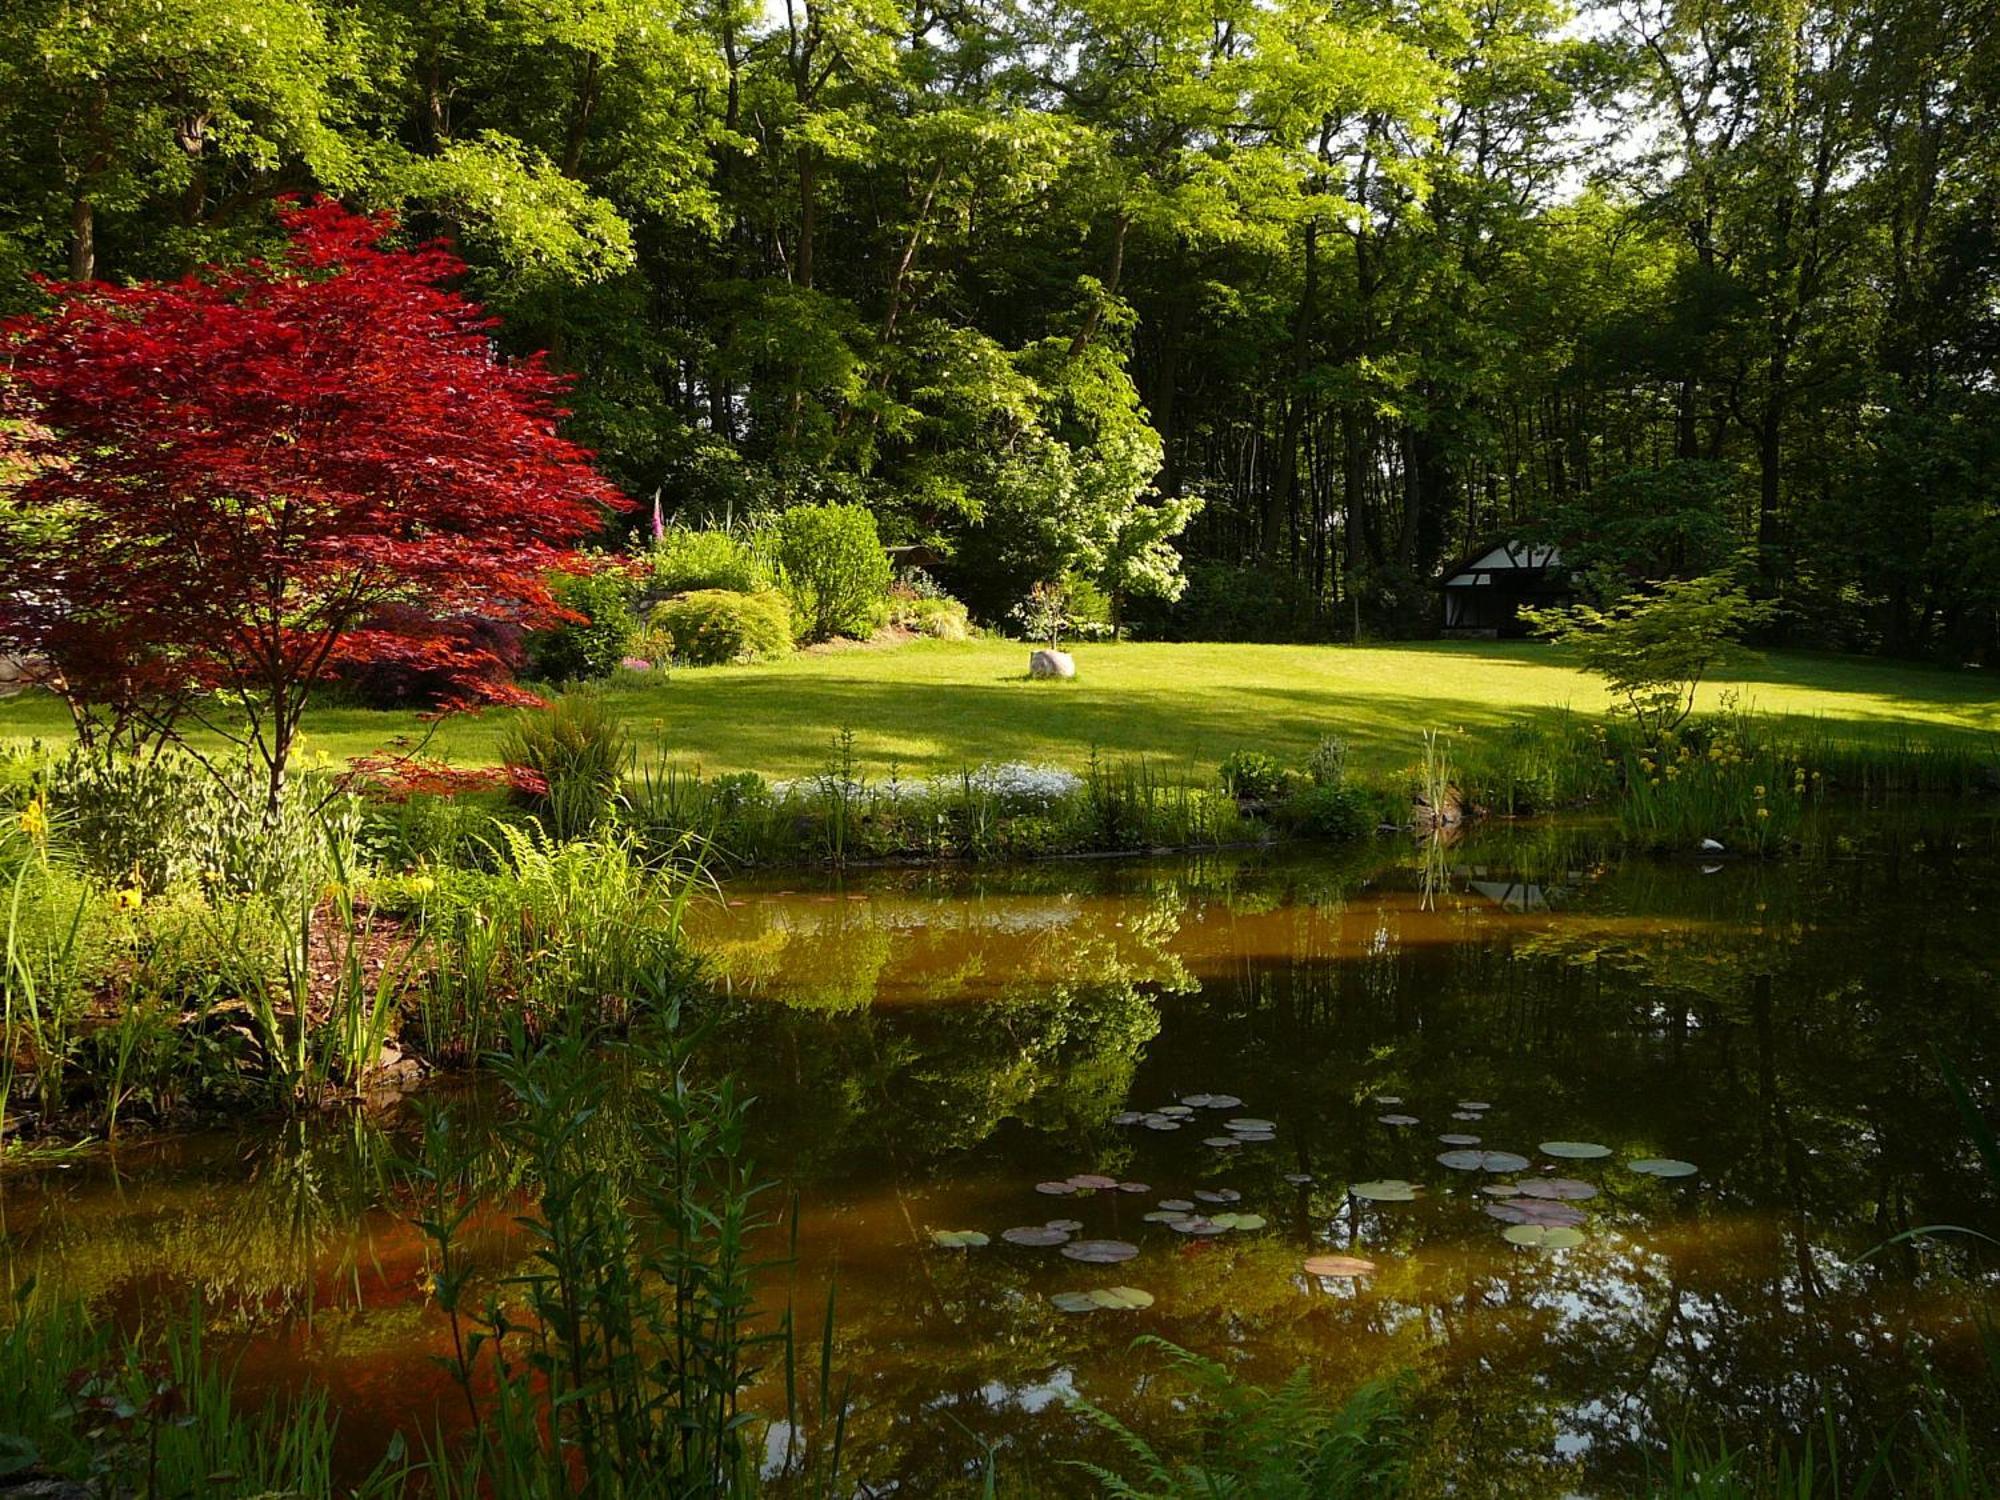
x=925, y=1048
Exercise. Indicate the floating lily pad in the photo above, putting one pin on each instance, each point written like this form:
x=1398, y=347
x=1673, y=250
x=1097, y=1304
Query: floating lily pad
x=1662, y=1166
x=1385, y=1190
x=1218, y=1195
x=1564, y=1188
x=1074, y=1302
x=1160, y=1122
x=1036, y=1236
x=1499, y=1189
x=1467, y=1114
x=1222, y=1142
x=1224, y=1101
x=1127, y=1117
x=1196, y=1101
x=1298, y=1179
x=1196, y=1225
x=1535, y=1211
x=958, y=1239
x=1399, y=1119
x=1135, y=1187
x=1100, y=1252
x=1055, y=1189
x=1339, y=1267
x=1183, y=1205
x=1238, y=1221
x=1165, y=1216
x=1180, y=1110
x=1245, y=1123
x=1121, y=1298
x=1092, y=1182
x=1475, y=1105
x=1067, y=1226
x=1459, y=1140
x=1256, y=1137
x=1388, y=1098
x=1482, y=1161
x=1574, y=1150
x=1542, y=1237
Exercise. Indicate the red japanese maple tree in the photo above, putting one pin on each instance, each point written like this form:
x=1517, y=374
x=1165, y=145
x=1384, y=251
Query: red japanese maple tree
x=230, y=475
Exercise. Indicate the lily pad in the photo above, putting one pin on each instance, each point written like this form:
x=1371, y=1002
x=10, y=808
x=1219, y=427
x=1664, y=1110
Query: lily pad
x=1535, y=1211
x=1161, y=1122
x=1224, y=1101
x=1218, y=1195
x=1256, y=1137
x=958, y=1239
x=1388, y=1098
x=1180, y=1110
x=1074, y=1302
x=1127, y=1117
x=1055, y=1189
x=1035, y=1236
x=1184, y=1205
x=1196, y=1225
x=1385, y=1190
x=1092, y=1182
x=1542, y=1237
x=1467, y=1114
x=1339, y=1267
x=1574, y=1150
x=1100, y=1252
x=1222, y=1142
x=1165, y=1216
x=1459, y=1140
x=1482, y=1161
x=1135, y=1187
x=1121, y=1298
x=1196, y=1101
x=1246, y=1123
x=1499, y=1189
x=1662, y=1166
x=1067, y=1226
x=1567, y=1189
x=1238, y=1221
x=1399, y=1119
x=1298, y=1179
x=1474, y=1105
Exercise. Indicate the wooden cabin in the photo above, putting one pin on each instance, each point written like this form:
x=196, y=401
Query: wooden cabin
x=1485, y=592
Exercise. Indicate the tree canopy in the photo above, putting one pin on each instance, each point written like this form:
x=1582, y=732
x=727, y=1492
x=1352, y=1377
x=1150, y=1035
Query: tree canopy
x=1373, y=283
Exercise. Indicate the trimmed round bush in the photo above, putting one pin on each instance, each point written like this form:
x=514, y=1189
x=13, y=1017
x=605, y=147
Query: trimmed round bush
x=832, y=567
x=709, y=627
x=592, y=647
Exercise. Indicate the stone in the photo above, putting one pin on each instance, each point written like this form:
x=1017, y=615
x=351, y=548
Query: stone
x=1051, y=664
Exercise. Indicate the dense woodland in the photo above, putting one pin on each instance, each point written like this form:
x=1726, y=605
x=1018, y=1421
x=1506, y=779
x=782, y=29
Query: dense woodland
x=1675, y=283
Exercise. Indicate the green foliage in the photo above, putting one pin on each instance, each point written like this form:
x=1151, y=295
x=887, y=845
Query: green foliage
x=1654, y=649
x=684, y=560
x=592, y=646
x=569, y=760
x=1329, y=812
x=1282, y=1444
x=832, y=567
x=942, y=619
x=710, y=627
x=1253, y=776
x=149, y=824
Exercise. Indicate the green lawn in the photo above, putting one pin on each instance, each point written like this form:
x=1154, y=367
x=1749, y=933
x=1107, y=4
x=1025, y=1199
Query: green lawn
x=937, y=706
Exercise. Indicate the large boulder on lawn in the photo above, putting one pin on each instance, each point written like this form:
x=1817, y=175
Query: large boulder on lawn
x=1051, y=664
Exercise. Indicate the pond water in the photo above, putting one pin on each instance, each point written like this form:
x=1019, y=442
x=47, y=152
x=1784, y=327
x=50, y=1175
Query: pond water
x=926, y=1048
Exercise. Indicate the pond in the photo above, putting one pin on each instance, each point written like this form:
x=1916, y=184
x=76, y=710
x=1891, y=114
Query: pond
x=1248, y=1039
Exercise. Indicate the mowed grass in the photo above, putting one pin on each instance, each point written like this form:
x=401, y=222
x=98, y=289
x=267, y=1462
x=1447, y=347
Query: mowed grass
x=937, y=706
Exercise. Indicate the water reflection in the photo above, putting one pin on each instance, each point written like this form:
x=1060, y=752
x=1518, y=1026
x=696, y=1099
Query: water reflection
x=926, y=1047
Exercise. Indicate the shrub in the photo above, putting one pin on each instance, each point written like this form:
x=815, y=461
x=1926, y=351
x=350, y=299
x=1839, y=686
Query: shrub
x=591, y=647
x=1327, y=765
x=683, y=561
x=833, y=569
x=940, y=619
x=1253, y=776
x=1326, y=811
x=570, y=760
x=712, y=626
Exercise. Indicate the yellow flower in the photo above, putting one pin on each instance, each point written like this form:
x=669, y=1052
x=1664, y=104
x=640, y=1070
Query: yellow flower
x=1673, y=772
x=35, y=820
x=1763, y=812
x=1760, y=789
x=129, y=899
x=423, y=885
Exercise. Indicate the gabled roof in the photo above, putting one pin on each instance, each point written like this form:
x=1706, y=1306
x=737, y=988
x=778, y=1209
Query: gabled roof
x=1501, y=557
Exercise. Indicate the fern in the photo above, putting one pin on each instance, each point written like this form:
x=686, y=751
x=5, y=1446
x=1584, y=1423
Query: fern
x=1257, y=1444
